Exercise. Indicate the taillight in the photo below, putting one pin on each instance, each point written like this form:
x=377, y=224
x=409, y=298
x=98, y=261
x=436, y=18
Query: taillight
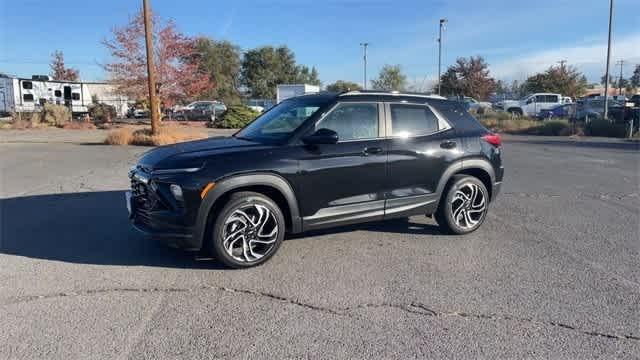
x=493, y=139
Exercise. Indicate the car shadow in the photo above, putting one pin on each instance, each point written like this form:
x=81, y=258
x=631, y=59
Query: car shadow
x=87, y=228
x=93, y=228
x=412, y=225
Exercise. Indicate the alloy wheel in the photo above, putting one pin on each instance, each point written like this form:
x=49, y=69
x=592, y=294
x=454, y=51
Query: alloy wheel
x=468, y=205
x=250, y=232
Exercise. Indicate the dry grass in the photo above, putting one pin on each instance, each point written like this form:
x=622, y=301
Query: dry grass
x=79, y=125
x=120, y=136
x=509, y=125
x=143, y=137
x=26, y=124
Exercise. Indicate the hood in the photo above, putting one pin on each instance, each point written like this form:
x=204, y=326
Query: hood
x=192, y=153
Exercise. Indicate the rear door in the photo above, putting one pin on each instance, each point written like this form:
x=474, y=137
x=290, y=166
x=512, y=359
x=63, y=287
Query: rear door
x=421, y=145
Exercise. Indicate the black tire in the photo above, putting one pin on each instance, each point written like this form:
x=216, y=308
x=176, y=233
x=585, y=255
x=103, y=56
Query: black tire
x=444, y=215
x=515, y=112
x=239, y=201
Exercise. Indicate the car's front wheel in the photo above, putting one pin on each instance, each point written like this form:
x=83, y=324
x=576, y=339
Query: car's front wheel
x=248, y=230
x=464, y=205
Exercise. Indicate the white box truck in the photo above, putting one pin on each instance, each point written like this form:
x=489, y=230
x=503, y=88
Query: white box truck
x=285, y=91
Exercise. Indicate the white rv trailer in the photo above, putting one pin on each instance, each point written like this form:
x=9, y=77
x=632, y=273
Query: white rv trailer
x=285, y=91
x=29, y=95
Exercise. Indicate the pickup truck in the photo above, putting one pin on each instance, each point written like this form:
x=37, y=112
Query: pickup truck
x=532, y=104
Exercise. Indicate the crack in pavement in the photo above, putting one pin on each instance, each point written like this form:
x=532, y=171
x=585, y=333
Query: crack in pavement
x=413, y=307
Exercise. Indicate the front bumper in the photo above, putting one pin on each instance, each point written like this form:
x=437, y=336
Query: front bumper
x=159, y=225
x=155, y=212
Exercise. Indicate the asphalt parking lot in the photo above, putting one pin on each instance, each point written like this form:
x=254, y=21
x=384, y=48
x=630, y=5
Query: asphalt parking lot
x=553, y=273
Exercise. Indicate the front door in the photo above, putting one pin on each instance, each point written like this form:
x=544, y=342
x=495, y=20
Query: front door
x=344, y=183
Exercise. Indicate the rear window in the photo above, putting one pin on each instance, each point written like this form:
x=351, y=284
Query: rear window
x=27, y=85
x=457, y=116
x=412, y=120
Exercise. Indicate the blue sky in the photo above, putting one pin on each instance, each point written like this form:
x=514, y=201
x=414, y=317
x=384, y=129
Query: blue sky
x=517, y=38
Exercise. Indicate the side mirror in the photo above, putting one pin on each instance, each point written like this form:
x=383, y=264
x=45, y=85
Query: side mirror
x=321, y=136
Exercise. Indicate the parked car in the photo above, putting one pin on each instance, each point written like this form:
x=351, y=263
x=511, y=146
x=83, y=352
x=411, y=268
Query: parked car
x=589, y=109
x=314, y=162
x=200, y=110
x=559, y=111
x=137, y=113
x=635, y=99
x=471, y=103
x=532, y=104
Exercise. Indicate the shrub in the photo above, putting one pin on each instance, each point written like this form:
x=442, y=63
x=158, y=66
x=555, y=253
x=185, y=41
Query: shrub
x=515, y=125
x=236, y=116
x=606, y=128
x=52, y=114
x=102, y=113
x=552, y=128
x=143, y=137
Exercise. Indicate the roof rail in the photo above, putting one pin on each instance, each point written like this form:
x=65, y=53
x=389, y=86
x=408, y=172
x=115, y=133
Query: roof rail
x=393, y=92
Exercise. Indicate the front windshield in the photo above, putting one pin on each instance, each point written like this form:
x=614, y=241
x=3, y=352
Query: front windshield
x=281, y=121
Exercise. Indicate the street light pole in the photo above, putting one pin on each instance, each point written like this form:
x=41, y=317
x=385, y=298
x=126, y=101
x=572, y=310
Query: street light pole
x=442, y=21
x=621, y=63
x=606, y=73
x=153, y=99
x=364, y=47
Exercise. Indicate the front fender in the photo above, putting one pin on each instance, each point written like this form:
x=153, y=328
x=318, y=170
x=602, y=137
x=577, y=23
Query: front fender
x=239, y=181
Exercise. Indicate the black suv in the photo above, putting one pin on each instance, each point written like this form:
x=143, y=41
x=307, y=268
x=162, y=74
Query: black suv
x=318, y=161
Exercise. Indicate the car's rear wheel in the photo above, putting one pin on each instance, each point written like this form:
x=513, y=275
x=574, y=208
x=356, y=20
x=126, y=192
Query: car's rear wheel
x=464, y=206
x=515, y=112
x=248, y=230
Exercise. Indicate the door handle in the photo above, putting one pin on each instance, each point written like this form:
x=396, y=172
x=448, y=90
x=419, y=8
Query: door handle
x=371, y=151
x=448, y=144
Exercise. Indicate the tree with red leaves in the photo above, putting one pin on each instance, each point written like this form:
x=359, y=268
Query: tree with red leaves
x=59, y=71
x=178, y=73
x=468, y=77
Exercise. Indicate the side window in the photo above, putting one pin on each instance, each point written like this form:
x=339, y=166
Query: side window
x=412, y=120
x=352, y=121
x=75, y=96
x=27, y=97
x=541, y=98
x=552, y=98
x=27, y=85
x=57, y=93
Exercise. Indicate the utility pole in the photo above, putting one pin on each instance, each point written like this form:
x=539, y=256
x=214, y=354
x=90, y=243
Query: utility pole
x=442, y=21
x=606, y=73
x=562, y=62
x=621, y=63
x=151, y=71
x=364, y=48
